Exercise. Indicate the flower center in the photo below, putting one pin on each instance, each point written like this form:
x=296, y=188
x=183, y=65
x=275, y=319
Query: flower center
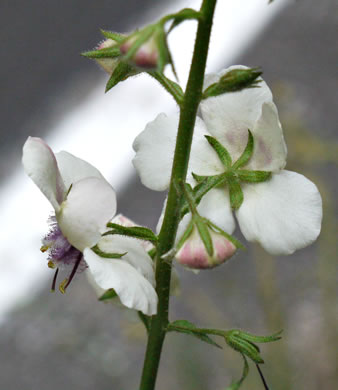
x=61, y=255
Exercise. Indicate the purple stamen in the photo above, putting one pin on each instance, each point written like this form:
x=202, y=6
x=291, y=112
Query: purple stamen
x=54, y=280
x=72, y=274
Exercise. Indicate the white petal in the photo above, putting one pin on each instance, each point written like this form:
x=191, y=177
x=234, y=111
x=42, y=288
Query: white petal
x=136, y=254
x=154, y=149
x=40, y=165
x=74, y=169
x=90, y=204
x=132, y=288
x=229, y=116
x=270, y=151
x=283, y=214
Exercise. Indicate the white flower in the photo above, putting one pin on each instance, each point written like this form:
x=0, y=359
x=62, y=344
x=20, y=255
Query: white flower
x=283, y=214
x=84, y=202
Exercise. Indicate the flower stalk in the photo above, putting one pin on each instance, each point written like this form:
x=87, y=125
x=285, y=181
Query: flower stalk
x=168, y=231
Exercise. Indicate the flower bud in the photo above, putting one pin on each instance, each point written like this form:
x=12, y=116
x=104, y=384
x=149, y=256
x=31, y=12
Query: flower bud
x=108, y=64
x=194, y=254
x=146, y=56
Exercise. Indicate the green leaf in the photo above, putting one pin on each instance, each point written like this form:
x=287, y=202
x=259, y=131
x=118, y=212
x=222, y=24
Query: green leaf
x=260, y=339
x=134, y=231
x=234, y=80
x=247, y=153
x=121, y=73
x=107, y=255
x=221, y=151
x=118, y=38
x=237, y=385
x=184, y=326
x=109, y=294
x=107, y=52
x=253, y=176
x=236, y=193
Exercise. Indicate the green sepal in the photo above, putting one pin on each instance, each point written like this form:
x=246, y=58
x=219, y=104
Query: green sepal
x=232, y=81
x=142, y=37
x=198, y=178
x=108, y=294
x=185, y=235
x=204, y=233
x=118, y=38
x=247, y=153
x=120, y=73
x=245, y=347
x=235, y=192
x=107, y=52
x=134, y=231
x=164, y=56
x=237, y=243
x=171, y=86
x=221, y=151
x=184, y=326
x=253, y=176
x=258, y=339
x=107, y=255
x=236, y=385
x=181, y=16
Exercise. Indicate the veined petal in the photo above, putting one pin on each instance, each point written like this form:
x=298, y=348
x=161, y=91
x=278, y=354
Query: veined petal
x=229, y=116
x=40, y=165
x=132, y=288
x=283, y=214
x=154, y=149
x=270, y=151
x=90, y=204
x=74, y=169
x=136, y=255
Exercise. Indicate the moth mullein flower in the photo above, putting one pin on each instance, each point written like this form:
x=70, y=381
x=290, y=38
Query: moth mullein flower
x=83, y=203
x=283, y=212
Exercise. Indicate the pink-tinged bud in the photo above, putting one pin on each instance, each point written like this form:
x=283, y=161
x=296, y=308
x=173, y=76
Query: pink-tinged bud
x=193, y=253
x=108, y=64
x=147, y=54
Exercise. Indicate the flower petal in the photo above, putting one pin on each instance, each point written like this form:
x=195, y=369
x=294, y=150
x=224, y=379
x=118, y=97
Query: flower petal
x=40, y=165
x=229, y=116
x=90, y=204
x=283, y=214
x=270, y=151
x=74, y=169
x=136, y=255
x=132, y=288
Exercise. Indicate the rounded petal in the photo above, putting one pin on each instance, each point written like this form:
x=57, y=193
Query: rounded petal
x=270, y=151
x=136, y=255
x=40, y=165
x=283, y=214
x=154, y=149
x=229, y=116
x=90, y=204
x=132, y=288
x=74, y=169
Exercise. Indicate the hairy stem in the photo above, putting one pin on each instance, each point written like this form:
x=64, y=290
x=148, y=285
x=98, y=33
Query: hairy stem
x=171, y=219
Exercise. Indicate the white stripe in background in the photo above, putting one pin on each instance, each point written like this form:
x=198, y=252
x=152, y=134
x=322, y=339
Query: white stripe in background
x=101, y=130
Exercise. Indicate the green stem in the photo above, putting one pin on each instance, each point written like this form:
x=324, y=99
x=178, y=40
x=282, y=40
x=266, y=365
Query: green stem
x=171, y=219
x=170, y=86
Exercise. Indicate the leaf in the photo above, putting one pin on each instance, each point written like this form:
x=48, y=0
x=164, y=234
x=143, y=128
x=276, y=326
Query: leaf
x=253, y=176
x=233, y=81
x=109, y=294
x=120, y=73
x=237, y=385
x=247, y=153
x=221, y=151
x=260, y=339
x=134, y=231
x=184, y=326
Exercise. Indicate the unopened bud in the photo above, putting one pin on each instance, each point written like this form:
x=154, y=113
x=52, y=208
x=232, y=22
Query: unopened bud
x=146, y=56
x=194, y=254
x=108, y=64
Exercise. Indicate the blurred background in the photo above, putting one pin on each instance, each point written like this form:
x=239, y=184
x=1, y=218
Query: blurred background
x=51, y=341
